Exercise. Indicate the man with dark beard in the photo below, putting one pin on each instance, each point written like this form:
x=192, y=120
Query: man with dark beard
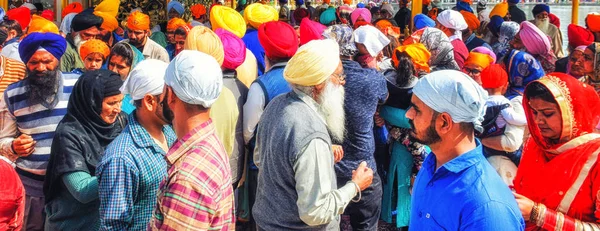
x=456, y=188
x=297, y=187
x=542, y=21
x=85, y=26
x=30, y=112
x=138, y=32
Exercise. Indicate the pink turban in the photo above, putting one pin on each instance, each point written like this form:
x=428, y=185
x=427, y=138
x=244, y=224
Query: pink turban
x=360, y=12
x=234, y=47
x=536, y=42
x=310, y=30
x=485, y=50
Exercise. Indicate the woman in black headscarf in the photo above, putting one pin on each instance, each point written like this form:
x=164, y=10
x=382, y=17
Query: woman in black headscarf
x=93, y=120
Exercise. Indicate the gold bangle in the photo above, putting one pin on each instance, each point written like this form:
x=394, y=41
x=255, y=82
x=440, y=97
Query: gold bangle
x=534, y=213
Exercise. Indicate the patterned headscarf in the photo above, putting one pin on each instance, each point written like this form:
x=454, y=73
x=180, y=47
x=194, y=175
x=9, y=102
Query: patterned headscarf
x=442, y=51
x=344, y=36
x=508, y=30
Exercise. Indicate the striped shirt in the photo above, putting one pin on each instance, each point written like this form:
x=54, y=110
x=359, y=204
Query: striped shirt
x=18, y=116
x=197, y=194
x=11, y=71
x=129, y=174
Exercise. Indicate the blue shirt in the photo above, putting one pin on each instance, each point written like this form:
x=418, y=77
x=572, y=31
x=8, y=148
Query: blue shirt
x=365, y=89
x=253, y=44
x=129, y=176
x=464, y=194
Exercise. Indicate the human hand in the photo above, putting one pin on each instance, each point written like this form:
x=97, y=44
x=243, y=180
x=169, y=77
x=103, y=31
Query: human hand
x=525, y=205
x=338, y=153
x=379, y=122
x=362, y=176
x=23, y=145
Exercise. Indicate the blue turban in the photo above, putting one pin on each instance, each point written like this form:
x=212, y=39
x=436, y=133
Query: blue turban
x=495, y=24
x=513, y=1
x=2, y=14
x=539, y=8
x=53, y=43
x=177, y=6
x=300, y=2
x=422, y=21
x=327, y=16
x=360, y=5
x=460, y=5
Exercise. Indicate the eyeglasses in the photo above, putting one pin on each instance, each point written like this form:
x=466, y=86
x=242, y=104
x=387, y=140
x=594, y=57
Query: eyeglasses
x=471, y=71
x=341, y=77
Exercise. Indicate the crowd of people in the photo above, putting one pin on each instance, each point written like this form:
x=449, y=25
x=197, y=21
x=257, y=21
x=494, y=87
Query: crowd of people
x=334, y=117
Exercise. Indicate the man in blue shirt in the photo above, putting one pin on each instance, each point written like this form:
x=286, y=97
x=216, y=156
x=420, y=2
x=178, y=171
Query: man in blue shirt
x=456, y=189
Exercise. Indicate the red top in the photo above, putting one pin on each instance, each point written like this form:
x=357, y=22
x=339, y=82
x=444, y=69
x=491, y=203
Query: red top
x=12, y=201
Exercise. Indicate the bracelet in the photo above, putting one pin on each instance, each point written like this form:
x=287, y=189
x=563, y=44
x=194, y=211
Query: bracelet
x=534, y=213
x=357, y=190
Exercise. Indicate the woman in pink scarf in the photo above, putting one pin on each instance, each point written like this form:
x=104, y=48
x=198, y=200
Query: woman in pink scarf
x=537, y=44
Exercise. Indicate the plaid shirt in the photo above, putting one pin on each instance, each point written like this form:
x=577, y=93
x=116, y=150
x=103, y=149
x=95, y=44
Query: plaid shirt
x=129, y=174
x=197, y=194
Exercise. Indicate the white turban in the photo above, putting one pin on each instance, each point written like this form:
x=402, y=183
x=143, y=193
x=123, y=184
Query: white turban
x=313, y=63
x=148, y=77
x=372, y=38
x=454, y=20
x=196, y=78
x=455, y=93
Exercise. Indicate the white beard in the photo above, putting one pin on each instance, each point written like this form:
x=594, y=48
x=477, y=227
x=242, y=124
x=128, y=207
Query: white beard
x=78, y=41
x=331, y=106
x=543, y=25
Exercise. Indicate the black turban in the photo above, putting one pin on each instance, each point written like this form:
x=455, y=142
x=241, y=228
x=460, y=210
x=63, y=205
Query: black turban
x=85, y=20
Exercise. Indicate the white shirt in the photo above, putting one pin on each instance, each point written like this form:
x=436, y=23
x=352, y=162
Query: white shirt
x=11, y=51
x=507, y=115
x=253, y=109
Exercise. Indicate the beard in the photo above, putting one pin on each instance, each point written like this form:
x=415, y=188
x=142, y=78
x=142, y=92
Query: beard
x=42, y=85
x=543, y=24
x=331, y=107
x=431, y=136
x=78, y=41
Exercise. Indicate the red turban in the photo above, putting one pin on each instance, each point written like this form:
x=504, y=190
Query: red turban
x=494, y=76
x=75, y=7
x=310, y=30
x=300, y=13
x=592, y=20
x=48, y=14
x=21, y=15
x=554, y=20
x=579, y=36
x=279, y=39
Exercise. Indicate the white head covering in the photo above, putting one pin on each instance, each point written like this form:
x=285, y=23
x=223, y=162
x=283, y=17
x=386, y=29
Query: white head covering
x=313, y=63
x=30, y=6
x=455, y=93
x=65, y=25
x=454, y=20
x=196, y=78
x=148, y=77
x=372, y=38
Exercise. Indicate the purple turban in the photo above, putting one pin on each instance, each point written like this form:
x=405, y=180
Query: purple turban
x=234, y=47
x=53, y=43
x=366, y=15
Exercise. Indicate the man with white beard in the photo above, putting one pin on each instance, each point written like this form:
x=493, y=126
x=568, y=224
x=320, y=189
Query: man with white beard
x=85, y=26
x=541, y=12
x=297, y=187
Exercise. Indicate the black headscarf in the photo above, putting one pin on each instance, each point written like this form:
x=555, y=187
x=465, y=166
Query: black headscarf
x=82, y=135
x=86, y=20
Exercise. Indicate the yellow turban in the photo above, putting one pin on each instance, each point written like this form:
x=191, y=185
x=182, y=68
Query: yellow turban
x=109, y=22
x=313, y=63
x=202, y=39
x=94, y=46
x=248, y=71
x=138, y=21
x=175, y=23
x=417, y=52
x=500, y=9
x=110, y=7
x=256, y=14
x=479, y=59
x=228, y=19
x=42, y=25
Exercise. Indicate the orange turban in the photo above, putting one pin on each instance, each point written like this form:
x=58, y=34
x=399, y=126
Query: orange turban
x=493, y=77
x=138, y=21
x=198, y=10
x=94, y=46
x=500, y=9
x=256, y=14
x=111, y=7
x=479, y=59
x=175, y=23
x=593, y=22
x=228, y=19
x=109, y=22
x=417, y=52
x=347, y=2
x=384, y=24
x=41, y=25
x=202, y=39
x=75, y=7
x=471, y=20
x=327, y=1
